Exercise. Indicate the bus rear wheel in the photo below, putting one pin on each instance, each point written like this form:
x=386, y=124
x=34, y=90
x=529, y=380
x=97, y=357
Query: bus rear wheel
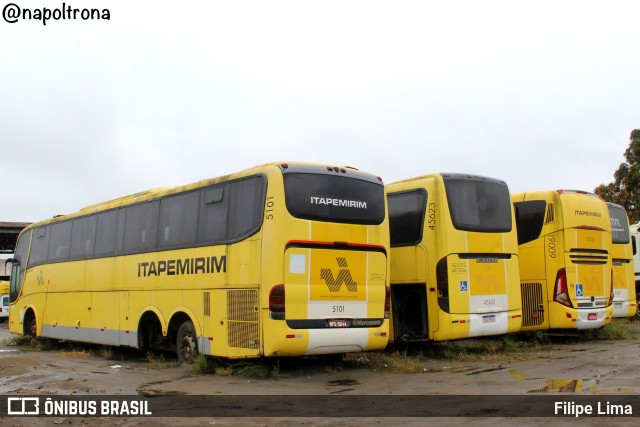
x=637, y=316
x=186, y=343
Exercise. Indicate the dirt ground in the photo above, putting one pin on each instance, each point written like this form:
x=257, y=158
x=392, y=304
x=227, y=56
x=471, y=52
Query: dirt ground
x=560, y=368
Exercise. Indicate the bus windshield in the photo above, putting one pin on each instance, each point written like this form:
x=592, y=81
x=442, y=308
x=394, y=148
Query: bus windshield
x=619, y=224
x=334, y=198
x=478, y=205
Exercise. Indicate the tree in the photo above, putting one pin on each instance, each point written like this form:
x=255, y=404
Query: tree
x=625, y=189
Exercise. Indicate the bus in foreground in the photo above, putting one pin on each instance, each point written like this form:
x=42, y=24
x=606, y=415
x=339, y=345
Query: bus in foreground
x=454, y=258
x=624, y=286
x=565, y=244
x=283, y=259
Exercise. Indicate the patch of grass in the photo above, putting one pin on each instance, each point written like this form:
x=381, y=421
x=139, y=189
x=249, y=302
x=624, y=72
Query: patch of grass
x=539, y=337
x=75, y=354
x=17, y=341
x=252, y=369
x=396, y=361
x=223, y=371
x=156, y=360
x=202, y=365
x=106, y=352
x=44, y=344
x=255, y=369
x=618, y=329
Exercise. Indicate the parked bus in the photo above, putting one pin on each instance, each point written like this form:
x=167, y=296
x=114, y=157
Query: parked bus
x=4, y=286
x=283, y=259
x=624, y=286
x=635, y=236
x=565, y=250
x=4, y=299
x=454, y=258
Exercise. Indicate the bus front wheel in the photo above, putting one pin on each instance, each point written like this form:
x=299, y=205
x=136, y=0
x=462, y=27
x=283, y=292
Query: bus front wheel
x=30, y=325
x=186, y=342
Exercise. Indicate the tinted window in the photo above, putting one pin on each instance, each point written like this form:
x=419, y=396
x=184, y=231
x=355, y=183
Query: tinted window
x=245, y=210
x=40, y=246
x=83, y=236
x=479, y=205
x=529, y=219
x=334, y=198
x=406, y=217
x=141, y=227
x=232, y=210
x=214, y=211
x=619, y=224
x=179, y=220
x=18, y=269
x=60, y=241
x=109, y=232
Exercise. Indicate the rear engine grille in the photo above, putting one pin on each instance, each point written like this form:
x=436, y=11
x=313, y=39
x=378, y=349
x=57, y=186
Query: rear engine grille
x=532, y=302
x=242, y=312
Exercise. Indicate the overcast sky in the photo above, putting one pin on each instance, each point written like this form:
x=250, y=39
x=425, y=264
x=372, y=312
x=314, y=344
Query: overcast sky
x=541, y=94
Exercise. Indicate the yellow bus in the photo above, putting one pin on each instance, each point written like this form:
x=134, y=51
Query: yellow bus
x=635, y=242
x=4, y=299
x=454, y=258
x=564, y=241
x=283, y=259
x=624, y=287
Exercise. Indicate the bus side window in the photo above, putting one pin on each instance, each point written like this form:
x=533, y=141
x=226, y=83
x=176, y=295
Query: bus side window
x=109, y=232
x=633, y=243
x=407, y=211
x=40, y=246
x=529, y=219
x=83, y=235
x=60, y=241
x=141, y=227
x=179, y=220
x=212, y=226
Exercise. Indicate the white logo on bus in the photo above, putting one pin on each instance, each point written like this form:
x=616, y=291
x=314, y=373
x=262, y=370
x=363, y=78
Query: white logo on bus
x=338, y=202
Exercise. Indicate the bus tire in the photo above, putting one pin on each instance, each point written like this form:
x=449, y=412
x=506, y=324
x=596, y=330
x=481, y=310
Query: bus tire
x=637, y=316
x=186, y=343
x=30, y=325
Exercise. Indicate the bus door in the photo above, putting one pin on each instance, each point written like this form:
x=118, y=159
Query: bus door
x=410, y=296
x=334, y=294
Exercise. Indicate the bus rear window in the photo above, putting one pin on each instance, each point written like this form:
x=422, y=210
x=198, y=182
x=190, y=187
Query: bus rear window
x=479, y=205
x=619, y=224
x=334, y=198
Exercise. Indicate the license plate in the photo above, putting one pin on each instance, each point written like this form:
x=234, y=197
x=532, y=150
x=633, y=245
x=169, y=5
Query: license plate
x=338, y=324
x=488, y=319
x=592, y=316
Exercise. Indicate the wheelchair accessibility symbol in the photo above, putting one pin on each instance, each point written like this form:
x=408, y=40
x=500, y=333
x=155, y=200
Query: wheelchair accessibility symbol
x=464, y=286
x=579, y=291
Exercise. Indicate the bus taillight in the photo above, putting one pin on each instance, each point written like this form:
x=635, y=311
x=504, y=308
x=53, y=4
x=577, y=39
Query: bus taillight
x=442, y=279
x=276, y=302
x=387, y=302
x=561, y=294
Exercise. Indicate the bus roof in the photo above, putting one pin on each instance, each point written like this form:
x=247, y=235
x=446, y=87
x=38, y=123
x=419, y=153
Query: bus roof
x=155, y=193
x=449, y=175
